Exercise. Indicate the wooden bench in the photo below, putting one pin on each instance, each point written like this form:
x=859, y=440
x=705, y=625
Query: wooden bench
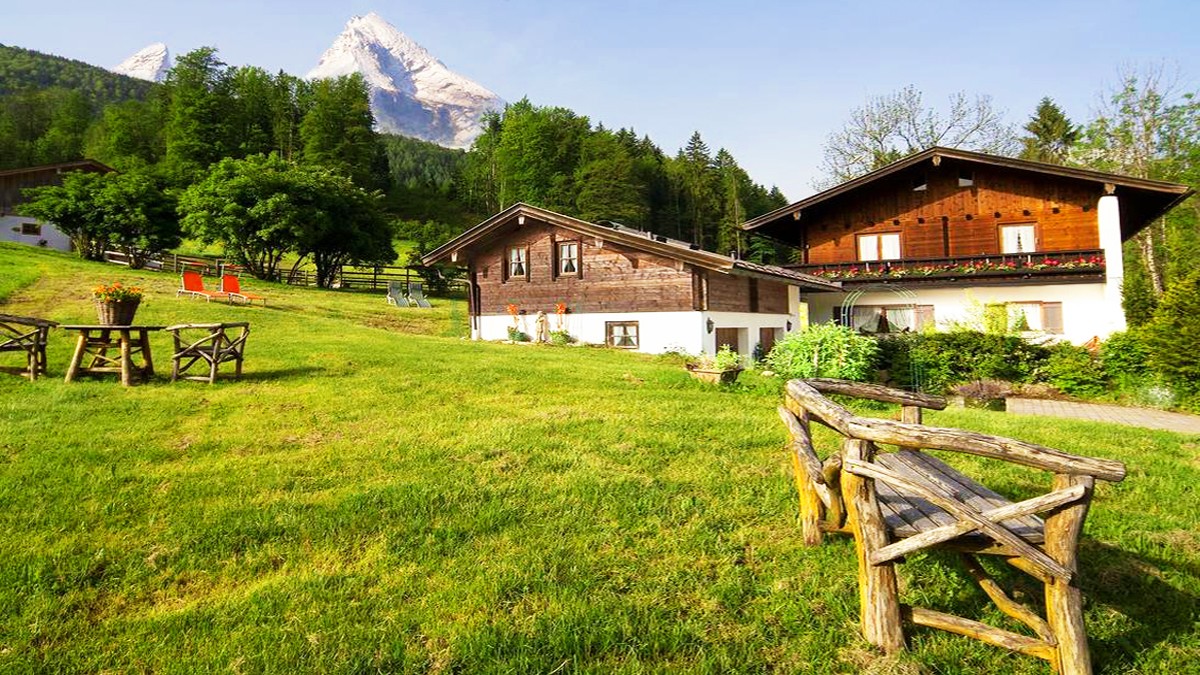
x=29, y=335
x=209, y=344
x=901, y=501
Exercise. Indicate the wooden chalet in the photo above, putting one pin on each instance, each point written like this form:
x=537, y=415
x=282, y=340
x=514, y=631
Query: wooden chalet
x=949, y=236
x=29, y=230
x=620, y=286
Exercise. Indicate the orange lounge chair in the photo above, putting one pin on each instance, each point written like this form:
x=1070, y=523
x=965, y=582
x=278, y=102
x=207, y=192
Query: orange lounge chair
x=231, y=285
x=193, y=285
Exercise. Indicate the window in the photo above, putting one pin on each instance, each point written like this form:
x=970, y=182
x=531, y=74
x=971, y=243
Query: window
x=888, y=318
x=31, y=229
x=518, y=263
x=879, y=246
x=920, y=183
x=966, y=178
x=568, y=257
x=1045, y=317
x=1017, y=238
x=622, y=334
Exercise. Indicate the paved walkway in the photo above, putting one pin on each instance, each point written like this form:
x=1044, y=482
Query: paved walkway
x=1138, y=417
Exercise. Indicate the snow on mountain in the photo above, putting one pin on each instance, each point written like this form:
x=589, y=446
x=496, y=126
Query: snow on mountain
x=412, y=93
x=151, y=63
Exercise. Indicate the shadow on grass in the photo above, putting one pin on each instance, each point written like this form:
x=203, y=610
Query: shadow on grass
x=1132, y=585
x=276, y=375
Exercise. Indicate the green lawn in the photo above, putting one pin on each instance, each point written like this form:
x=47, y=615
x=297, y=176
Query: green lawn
x=380, y=495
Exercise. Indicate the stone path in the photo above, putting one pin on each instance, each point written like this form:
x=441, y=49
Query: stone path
x=1138, y=417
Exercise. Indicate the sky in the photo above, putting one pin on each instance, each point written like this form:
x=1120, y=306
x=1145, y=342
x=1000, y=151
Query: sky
x=769, y=81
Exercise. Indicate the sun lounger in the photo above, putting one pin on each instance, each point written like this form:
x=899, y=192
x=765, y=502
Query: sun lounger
x=396, y=294
x=193, y=285
x=416, y=295
x=232, y=285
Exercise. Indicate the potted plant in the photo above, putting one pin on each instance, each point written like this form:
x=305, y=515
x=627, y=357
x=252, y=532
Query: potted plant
x=116, y=304
x=723, y=367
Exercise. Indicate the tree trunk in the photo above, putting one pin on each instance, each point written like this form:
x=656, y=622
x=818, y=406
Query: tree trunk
x=1146, y=245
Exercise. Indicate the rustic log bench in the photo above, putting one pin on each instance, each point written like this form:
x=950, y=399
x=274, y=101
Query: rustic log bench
x=28, y=335
x=898, y=502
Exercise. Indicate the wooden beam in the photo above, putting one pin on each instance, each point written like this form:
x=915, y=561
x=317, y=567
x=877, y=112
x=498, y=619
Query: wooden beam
x=948, y=532
x=879, y=595
x=876, y=392
x=1049, y=570
x=980, y=631
x=1006, y=604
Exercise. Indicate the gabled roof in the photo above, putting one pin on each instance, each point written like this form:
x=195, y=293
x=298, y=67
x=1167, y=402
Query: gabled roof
x=630, y=237
x=1156, y=197
x=61, y=167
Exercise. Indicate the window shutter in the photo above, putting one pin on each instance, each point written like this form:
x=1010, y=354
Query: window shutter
x=1052, y=318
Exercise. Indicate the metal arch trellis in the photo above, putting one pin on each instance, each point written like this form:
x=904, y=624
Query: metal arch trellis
x=916, y=372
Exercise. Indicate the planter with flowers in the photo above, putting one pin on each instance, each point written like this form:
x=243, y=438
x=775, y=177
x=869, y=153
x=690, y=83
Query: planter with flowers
x=723, y=367
x=116, y=304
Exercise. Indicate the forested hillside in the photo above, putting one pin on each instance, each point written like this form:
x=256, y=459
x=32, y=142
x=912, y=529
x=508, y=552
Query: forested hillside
x=22, y=69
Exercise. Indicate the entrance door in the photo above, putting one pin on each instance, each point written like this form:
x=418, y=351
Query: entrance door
x=728, y=336
x=766, y=339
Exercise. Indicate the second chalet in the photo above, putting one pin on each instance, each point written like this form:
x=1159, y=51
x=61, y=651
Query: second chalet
x=947, y=237
x=620, y=286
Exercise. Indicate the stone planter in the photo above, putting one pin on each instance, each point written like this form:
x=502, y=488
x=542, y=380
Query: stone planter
x=118, y=312
x=715, y=376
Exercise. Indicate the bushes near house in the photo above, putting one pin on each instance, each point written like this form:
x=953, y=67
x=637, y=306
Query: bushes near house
x=1173, y=338
x=934, y=362
x=824, y=350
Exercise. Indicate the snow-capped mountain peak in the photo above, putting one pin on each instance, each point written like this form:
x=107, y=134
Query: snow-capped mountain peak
x=412, y=92
x=151, y=63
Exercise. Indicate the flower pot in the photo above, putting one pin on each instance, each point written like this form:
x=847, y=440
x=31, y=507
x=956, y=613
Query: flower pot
x=716, y=376
x=117, y=312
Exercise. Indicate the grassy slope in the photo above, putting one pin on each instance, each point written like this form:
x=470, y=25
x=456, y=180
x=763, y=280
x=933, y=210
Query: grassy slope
x=378, y=494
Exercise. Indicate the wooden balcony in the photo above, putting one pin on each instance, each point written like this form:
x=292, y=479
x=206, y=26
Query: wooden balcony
x=1047, y=266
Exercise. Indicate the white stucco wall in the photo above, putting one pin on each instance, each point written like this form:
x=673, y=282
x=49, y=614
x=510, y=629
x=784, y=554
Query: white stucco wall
x=658, y=331
x=10, y=230
x=1087, y=309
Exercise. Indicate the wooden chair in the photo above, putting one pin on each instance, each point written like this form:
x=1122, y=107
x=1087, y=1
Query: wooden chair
x=899, y=502
x=210, y=344
x=232, y=286
x=29, y=335
x=192, y=284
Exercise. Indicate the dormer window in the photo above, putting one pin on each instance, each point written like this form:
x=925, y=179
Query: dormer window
x=518, y=263
x=568, y=258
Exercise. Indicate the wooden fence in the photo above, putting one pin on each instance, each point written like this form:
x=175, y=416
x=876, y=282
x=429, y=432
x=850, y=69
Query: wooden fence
x=349, y=277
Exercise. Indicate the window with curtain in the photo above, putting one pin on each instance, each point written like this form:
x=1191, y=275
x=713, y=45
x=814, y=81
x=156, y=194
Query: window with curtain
x=889, y=318
x=879, y=246
x=1017, y=239
x=517, y=265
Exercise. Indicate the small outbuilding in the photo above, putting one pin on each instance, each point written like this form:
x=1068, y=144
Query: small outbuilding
x=25, y=230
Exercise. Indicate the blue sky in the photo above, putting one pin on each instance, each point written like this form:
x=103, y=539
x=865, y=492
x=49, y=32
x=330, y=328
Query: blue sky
x=767, y=80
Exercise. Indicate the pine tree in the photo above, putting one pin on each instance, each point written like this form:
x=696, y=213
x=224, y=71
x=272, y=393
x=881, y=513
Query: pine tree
x=1051, y=134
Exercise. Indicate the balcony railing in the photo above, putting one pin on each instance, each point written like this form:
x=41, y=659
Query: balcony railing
x=1020, y=265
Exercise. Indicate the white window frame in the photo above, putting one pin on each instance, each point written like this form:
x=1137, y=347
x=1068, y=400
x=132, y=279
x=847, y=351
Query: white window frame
x=516, y=255
x=628, y=340
x=1023, y=233
x=872, y=247
x=573, y=246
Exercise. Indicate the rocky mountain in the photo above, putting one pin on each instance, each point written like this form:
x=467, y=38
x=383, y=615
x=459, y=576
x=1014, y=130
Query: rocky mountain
x=151, y=63
x=412, y=93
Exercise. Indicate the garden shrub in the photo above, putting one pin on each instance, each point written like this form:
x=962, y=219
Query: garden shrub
x=1173, y=336
x=1075, y=371
x=1125, y=358
x=824, y=350
x=934, y=362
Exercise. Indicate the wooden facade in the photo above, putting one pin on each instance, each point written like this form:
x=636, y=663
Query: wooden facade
x=611, y=278
x=944, y=203
x=953, y=210
x=13, y=181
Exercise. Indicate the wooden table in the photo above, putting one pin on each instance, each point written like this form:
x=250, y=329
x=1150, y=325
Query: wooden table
x=127, y=341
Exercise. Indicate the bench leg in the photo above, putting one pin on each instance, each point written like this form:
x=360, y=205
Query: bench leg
x=1064, y=602
x=879, y=595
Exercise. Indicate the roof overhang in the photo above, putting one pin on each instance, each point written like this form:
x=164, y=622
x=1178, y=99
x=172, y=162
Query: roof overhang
x=1149, y=199
x=457, y=250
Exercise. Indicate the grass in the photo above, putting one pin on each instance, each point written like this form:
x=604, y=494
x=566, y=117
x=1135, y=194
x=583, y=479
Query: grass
x=379, y=495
